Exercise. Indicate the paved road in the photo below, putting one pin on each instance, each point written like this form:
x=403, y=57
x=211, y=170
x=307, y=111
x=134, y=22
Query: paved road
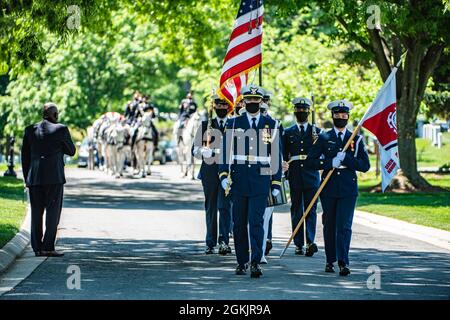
x=143, y=239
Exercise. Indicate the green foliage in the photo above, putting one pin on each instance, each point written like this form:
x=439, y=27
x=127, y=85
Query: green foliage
x=303, y=65
x=90, y=74
x=12, y=207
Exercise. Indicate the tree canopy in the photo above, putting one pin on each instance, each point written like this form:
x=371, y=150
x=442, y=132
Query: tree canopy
x=89, y=56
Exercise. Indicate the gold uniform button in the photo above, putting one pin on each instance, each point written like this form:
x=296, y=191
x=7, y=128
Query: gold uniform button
x=249, y=165
x=339, y=173
x=301, y=165
x=340, y=149
x=301, y=149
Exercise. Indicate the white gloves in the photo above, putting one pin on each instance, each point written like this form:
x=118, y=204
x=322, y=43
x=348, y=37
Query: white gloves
x=206, y=152
x=224, y=184
x=336, y=162
x=340, y=156
x=285, y=166
x=275, y=192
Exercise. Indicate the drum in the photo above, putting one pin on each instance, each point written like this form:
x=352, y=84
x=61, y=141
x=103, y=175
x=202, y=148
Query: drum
x=281, y=198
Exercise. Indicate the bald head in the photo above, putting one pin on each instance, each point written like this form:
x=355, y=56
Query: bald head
x=50, y=112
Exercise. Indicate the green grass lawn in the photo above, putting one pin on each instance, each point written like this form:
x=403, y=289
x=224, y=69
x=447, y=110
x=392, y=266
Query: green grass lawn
x=428, y=209
x=12, y=207
x=428, y=155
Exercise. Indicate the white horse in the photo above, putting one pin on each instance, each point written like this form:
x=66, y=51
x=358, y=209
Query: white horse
x=185, y=138
x=143, y=145
x=115, y=139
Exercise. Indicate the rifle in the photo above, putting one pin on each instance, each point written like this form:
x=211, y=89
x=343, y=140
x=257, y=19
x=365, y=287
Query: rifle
x=315, y=136
x=210, y=115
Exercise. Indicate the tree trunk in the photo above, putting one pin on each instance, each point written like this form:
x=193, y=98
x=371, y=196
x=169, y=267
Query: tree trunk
x=407, y=109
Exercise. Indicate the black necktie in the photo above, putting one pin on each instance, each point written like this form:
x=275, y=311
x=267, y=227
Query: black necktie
x=221, y=125
x=254, y=123
x=302, y=131
x=340, y=138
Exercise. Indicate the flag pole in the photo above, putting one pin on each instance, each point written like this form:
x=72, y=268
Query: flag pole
x=260, y=75
x=322, y=185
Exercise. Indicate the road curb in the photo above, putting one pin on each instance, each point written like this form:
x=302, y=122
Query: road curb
x=436, y=237
x=17, y=245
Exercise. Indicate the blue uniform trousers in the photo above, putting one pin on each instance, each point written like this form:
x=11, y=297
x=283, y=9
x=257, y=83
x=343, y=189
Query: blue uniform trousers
x=215, y=200
x=300, y=199
x=337, y=221
x=248, y=210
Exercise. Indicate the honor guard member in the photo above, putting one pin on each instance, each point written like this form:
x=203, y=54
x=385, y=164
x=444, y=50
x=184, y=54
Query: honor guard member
x=338, y=198
x=209, y=152
x=268, y=214
x=303, y=181
x=251, y=171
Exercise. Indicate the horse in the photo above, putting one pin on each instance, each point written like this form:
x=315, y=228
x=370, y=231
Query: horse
x=184, y=136
x=143, y=145
x=115, y=139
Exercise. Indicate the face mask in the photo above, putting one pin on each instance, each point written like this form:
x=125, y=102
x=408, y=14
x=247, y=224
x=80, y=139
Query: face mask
x=301, y=116
x=237, y=109
x=340, y=123
x=252, y=107
x=221, y=113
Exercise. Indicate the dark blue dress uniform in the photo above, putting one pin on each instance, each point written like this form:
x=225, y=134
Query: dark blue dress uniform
x=214, y=194
x=303, y=180
x=253, y=177
x=264, y=110
x=339, y=195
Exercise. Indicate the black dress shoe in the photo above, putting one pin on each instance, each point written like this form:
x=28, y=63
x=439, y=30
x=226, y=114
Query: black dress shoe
x=209, y=250
x=329, y=267
x=299, y=251
x=241, y=270
x=255, y=271
x=268, y=247
x=228, y=249
x=311, y=249
x=52, y=253
x=344, y=271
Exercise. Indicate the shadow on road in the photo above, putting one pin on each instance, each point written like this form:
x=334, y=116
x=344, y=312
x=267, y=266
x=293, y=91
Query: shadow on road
x=131, y=269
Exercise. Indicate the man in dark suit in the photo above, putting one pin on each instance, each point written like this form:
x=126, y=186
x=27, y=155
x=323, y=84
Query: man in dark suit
x=43, y=148
x=209, y=152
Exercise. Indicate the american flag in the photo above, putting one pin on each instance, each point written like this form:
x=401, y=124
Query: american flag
x=244, y=52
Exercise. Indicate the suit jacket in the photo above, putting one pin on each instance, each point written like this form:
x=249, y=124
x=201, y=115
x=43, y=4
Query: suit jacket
x=248, y=178
x=44, y=145
x=343, y=182
x=300, y=175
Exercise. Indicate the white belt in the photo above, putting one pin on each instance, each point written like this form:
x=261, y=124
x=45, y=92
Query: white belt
x=299, y=157
x=342, y=167
x=251, y=158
